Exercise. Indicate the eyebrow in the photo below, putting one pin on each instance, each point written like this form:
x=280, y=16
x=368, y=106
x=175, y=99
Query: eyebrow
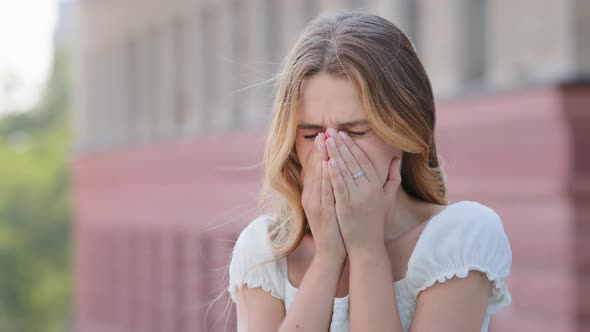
x=338, y=125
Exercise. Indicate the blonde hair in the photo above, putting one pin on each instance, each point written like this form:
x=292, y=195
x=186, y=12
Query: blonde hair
x=397, y=99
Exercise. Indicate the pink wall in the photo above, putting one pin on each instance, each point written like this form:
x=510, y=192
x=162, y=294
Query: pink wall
x=154, y=227
x=154, y=224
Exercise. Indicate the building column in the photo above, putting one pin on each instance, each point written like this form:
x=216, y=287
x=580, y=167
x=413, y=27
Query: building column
x=193, y=78
x=441, y=37
x=166, y=82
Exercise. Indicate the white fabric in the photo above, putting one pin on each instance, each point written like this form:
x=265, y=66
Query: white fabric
x=252, y=248
x=464, y=236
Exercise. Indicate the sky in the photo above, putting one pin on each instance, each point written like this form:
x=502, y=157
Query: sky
x=26, y=32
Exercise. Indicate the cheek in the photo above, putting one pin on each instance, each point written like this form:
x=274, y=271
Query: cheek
x=303, y=149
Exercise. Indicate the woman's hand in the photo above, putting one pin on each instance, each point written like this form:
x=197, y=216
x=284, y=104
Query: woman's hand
x=362, y=204
x=319, y=205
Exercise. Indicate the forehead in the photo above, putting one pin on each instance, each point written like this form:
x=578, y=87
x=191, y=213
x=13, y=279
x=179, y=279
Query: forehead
x=327, y=99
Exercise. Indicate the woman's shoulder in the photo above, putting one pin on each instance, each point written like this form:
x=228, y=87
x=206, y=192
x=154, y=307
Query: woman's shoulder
x=466, y=236
x=467, y=216
x=458, y=221
x=258, y=223
x=255, y=235
x=253, y=262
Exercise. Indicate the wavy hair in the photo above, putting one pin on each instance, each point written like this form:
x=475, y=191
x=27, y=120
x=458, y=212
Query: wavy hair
x=381, y=62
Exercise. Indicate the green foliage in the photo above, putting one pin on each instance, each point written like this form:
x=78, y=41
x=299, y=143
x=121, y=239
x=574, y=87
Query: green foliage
x=35, y=278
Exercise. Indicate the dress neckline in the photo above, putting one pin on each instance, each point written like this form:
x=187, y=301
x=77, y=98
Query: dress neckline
x=395, y=283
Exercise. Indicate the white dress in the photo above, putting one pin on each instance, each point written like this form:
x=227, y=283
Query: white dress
x=465, y=236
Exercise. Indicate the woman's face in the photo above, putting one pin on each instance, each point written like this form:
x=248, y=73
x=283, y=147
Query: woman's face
x=330, y=101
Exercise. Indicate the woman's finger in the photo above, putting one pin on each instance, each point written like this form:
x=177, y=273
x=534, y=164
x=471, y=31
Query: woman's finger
x=313, y=165
x=317, y=171
x=344, y=172
x=358, y=154
x=322, y=145
x=394, y=178
x=341, y=193
x=327, y=200
x=308, y=180
x=351, y=163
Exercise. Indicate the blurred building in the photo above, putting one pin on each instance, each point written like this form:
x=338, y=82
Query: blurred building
x=65, y=26
x=172, y=99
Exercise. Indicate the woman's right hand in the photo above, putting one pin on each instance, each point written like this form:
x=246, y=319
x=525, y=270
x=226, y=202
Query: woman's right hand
x=319, y=204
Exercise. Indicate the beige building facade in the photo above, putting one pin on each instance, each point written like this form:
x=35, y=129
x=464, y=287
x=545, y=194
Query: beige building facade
x=149, y=70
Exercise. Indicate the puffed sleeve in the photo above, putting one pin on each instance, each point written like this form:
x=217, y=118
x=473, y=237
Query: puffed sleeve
x=248, y=265
x=469, y=237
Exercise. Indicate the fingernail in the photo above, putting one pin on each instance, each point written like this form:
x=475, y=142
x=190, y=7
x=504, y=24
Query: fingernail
x=333, y=163
x=343, y=135
x=331, y=142
x=332, y=132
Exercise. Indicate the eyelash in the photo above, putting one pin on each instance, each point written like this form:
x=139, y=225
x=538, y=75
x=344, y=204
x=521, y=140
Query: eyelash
x=353, y=133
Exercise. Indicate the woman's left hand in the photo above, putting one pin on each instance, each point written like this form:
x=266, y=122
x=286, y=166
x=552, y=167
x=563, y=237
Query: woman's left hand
x=362, y=204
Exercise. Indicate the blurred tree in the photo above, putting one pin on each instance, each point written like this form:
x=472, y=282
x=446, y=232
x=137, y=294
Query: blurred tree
x=35, y=279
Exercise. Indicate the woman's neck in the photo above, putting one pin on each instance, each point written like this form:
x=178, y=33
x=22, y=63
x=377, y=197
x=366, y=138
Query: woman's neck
x=407, y=214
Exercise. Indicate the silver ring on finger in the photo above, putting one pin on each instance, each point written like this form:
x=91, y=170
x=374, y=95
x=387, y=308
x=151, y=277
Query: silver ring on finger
x=358, y=175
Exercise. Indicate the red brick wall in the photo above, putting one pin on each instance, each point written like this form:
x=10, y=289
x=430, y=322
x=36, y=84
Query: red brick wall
x=154, y=224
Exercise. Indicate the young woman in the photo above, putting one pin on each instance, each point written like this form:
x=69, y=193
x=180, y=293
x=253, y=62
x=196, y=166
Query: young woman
x=359, y=235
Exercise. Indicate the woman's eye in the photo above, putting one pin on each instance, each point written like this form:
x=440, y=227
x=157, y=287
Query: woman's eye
x=357, y=133
x=352, y=133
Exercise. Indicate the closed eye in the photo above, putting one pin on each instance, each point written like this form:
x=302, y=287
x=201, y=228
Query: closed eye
x=358, y=133
x=352, y=133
